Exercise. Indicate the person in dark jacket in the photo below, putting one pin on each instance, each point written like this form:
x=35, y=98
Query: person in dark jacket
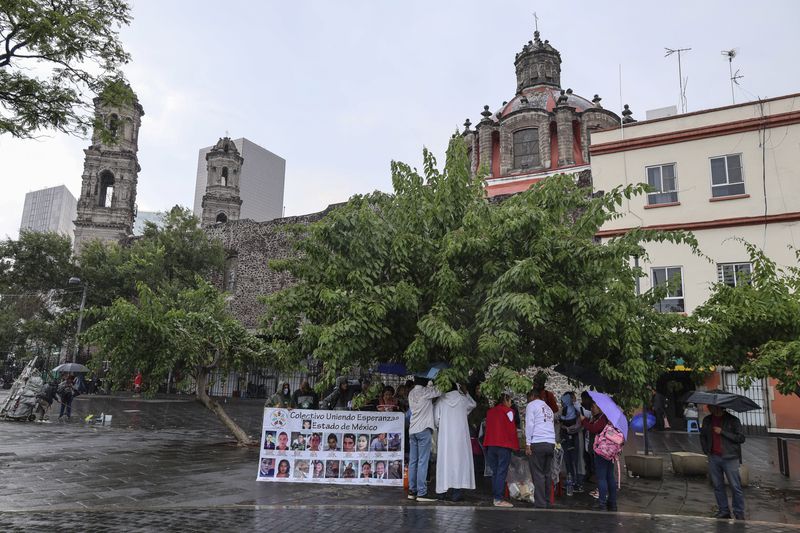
x=305, y=397
x=45, y=399
x=721, y=437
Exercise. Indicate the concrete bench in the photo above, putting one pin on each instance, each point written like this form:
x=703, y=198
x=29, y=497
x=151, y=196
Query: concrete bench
x=689, y=463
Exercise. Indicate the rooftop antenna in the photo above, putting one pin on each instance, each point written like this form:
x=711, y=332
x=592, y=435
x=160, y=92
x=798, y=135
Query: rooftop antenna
x=681, y=80
x=735, y=76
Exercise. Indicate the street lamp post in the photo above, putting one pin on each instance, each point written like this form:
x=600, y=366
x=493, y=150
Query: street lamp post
x=77, y=281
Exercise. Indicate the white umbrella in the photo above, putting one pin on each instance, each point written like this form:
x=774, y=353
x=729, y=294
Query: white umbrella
x=71, y=367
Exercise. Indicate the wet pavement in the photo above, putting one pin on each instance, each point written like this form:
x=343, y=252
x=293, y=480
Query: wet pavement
x=167, y=463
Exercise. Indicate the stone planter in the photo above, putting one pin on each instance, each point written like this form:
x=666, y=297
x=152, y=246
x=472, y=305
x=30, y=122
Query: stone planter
x=649, y=466
x=689, y=463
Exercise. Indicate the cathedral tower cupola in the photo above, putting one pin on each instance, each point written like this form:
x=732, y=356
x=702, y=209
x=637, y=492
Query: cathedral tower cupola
x=538, y=64
x=222, y=201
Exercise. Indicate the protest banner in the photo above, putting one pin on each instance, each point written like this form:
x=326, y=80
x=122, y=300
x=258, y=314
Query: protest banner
x=340, y=447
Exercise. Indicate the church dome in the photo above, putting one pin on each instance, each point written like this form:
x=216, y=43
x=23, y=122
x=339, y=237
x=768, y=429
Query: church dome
x=542, y=97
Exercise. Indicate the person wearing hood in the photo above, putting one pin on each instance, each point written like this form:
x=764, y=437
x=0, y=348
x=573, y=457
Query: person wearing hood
x=342, y=396
x=282, y=397
x=305, y=397
x=454, y=466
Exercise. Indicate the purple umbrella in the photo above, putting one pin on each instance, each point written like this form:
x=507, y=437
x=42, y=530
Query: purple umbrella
x=612, y=411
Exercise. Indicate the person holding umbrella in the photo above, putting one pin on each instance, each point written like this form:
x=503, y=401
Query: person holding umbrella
x=609, y=426
x=721, y=438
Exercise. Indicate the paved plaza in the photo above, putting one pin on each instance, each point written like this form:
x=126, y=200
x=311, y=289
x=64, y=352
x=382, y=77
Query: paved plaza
x=168, y=464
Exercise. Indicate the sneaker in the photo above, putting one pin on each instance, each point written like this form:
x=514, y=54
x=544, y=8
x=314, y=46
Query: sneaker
x=738, y=516
x=600, y=506
x=412, y=496
x=595, y=493
x=425, y=499
x=502, y=503
x=723, y=516
x=612, y=508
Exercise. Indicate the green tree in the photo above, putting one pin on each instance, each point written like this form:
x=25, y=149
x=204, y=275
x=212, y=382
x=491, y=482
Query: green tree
x=55, y=55
x=34, y=271
x=190, y=332
x=166, y=257
x=434, y=272
x=754, y=326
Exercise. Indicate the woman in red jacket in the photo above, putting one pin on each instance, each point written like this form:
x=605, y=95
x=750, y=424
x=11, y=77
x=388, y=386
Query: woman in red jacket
x=500, y=441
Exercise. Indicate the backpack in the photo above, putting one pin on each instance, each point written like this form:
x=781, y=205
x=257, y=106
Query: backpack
x=608, y=443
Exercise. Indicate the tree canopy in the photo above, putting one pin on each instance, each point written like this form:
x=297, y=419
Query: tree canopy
x=34, y=270
x=753, y=326
x=55, y=56
x=436, y=273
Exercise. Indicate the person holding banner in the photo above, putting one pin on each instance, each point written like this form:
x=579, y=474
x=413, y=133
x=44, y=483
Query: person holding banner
x=420, y=430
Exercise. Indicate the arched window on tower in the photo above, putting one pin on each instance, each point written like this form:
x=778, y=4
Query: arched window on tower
x=106, y=193
x=526, y=149
x=224, y=179
x=113, y=125
x=222, y=217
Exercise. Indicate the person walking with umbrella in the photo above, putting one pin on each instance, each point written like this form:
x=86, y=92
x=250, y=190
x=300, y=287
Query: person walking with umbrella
x=721, y=438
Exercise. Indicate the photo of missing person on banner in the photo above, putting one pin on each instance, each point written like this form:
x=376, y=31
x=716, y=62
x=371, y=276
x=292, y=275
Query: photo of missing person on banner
x=395, y=470
x=379, y=443
x=284, y=469
x=366, y=470
x=283, y=442
x=349, y=442
x=332, y=443
x=395, y=442
x=315, y=443
x=301, y=469
x=332, y=469
x=317, y=469
x=269, y=440
x=299, y=441
x=362, y=444
x=380, y=470
x=349, y=470
x=267, y=467
x=306, y=423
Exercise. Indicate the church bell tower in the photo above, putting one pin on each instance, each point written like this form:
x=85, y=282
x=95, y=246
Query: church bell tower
x=222, y=202
x=107, y=203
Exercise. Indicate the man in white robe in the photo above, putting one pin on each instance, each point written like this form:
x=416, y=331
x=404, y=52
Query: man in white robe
x=454, y=466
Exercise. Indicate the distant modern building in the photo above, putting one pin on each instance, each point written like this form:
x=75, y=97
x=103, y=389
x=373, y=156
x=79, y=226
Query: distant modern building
x=51, y=209
x=260, y=182
x=143, y=217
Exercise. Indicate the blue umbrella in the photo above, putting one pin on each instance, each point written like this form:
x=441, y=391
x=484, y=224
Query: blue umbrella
x=433, y=371
x=612, y=411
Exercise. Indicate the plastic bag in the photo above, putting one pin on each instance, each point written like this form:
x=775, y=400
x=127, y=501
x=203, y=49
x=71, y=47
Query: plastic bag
x=520, y=484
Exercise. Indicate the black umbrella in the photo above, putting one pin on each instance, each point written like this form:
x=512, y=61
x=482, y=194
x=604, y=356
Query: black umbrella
x=721, y=398
x=587, y=376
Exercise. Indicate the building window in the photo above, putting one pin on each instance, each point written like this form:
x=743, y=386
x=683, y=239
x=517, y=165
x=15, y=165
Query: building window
x=663, y=184
x=526, y=148
x=222, y=217
x=224, y=179
x=726, y=176
x=672, y=279
x=734, y=274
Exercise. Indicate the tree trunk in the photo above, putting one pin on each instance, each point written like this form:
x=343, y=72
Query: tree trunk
x=242, y=437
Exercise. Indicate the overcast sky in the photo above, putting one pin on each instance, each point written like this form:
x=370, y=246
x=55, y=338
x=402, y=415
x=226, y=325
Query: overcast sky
x=340, y=88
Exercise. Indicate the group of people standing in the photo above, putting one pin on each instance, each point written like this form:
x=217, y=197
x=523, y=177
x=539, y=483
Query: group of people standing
x=545, y=424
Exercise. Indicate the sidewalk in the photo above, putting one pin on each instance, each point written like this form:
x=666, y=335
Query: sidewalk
x=169, y=453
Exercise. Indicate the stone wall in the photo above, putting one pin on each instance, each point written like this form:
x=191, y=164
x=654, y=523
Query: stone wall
x=249, y=247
